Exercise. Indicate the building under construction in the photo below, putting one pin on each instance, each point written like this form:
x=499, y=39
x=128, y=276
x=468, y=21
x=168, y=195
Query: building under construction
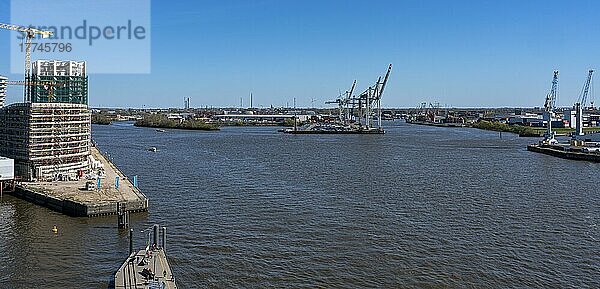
x=48, y=135
x=3, y=84
x=58, y=81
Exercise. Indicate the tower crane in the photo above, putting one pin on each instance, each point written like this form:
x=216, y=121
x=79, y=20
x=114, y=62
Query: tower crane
x=48, y=85
x=549, y=106
x=30, y=33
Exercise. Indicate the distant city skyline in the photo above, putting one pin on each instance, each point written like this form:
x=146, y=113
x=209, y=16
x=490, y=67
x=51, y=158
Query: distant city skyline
x=458, y=53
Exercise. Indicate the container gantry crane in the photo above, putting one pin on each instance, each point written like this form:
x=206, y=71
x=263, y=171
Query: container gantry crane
x=342, y=101
x=29, y=33
x=549, y=105
x=371, y=97
x=365, y=103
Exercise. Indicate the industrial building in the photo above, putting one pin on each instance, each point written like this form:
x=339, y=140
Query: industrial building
x=49, y=135
x=3, y=84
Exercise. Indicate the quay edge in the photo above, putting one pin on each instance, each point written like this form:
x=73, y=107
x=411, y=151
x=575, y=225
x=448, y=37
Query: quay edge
x=70, y=197
x=561, y=152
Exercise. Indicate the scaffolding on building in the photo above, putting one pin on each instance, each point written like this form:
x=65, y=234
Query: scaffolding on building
x=69, y=79
x=49, y=136
x=3, y=84
x=47, y=140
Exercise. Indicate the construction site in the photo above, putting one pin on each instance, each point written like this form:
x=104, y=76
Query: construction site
x=48, y=136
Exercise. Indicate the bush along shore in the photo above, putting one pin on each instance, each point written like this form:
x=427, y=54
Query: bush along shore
x=522, y=131
x=101, y=119
x=161, y=121
x=525, y=131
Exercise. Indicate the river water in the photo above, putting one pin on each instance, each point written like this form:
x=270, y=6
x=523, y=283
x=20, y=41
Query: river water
x=249, y=207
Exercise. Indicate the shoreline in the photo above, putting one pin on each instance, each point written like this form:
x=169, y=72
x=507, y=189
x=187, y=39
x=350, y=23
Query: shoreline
x=559, y=151
x=69, y=197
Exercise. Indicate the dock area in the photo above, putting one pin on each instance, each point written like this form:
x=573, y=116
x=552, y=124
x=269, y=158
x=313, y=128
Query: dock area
x=565, y=151
x=145, y=269
x=75, y=198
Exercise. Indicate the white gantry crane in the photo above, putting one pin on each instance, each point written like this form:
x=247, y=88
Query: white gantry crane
x=549, y=105
x=367, y=103
x=29, y=33
x=342, y=101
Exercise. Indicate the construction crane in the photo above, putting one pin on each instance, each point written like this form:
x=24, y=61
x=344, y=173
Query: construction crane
x=49, y=86
x=549, y=105
x=30, y=33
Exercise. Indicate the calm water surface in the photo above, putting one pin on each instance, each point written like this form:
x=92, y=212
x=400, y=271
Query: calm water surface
x=248, y=207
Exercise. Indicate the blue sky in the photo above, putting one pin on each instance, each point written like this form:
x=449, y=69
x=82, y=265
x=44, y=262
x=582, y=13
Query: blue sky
x=457, y=53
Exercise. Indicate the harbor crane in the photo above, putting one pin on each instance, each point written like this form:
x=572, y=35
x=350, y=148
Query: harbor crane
x=581, y=104
x=371, y=97
x=582, y=99
x=342, y=102
x=549, y=106
x=365, y=103
x=29, y=33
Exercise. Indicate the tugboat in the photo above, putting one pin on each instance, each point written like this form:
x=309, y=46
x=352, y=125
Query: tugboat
x=147, y=268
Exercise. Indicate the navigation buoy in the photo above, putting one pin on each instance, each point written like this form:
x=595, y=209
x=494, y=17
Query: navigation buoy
x=55, y=229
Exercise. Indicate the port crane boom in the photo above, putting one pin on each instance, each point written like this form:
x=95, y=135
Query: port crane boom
x=362, y=108
x=343, y=101
x=582, y=100
x=549, y=106
x=30, y=33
